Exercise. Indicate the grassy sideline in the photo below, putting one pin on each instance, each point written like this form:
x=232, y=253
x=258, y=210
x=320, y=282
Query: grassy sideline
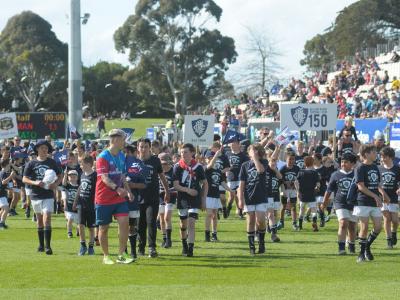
x=303, y=266
x=140, y=125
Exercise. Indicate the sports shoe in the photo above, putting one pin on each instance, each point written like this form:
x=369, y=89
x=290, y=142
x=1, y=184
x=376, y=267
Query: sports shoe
x=207, y=237
x=107, y=260
x=389, y=243
x=322, y=223
x=394, y=239
x=261, y=248
x=295, y=227
x=342, y=252
x=190, y=251
x=214, y=238
x=275, y=238
x=315, y=227
x=48, y=251
x=352, y=248
x=252, y=250
x=224, y=213
x=152, y=253
x=91, y=251
x=12, y=213
x=124, y=259
x=83, y=250
x=361, y=258
x=307, y=219
x=368, y=254
x=2, y=226
x=280, y=225
x=40, y=249
x=70, y=235
x=168, y=243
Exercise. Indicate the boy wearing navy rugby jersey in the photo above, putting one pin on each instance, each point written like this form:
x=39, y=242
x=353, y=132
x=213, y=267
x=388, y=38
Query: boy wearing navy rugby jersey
x=150, y=198
x=221, y=164
x=252, y=195
x=192, y=187
x=6, y=176
x=324, y=175
x=369, y=203
x=215, y=179
x=136, y=178
x=299, y=158
x=166, y=209
x=18, y=190
x=289, y=174
x=42, y=195
x=84, y=203
x=70, y=190
x=390, y=183
x=236, y=158
x=339, y=184
x=307, y=183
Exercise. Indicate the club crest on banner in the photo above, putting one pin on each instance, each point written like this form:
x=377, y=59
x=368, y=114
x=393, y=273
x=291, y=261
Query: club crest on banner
x=199, y=127
x=299, y=115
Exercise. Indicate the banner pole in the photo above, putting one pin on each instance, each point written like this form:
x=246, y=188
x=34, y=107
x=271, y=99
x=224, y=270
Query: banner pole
x=334, y=144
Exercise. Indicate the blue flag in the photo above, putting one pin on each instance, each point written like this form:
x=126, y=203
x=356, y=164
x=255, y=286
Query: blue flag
x=233, y=136
x=129, y=133
x=61, y=157
x=18, y=154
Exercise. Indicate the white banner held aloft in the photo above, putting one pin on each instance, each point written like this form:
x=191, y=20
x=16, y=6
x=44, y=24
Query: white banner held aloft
x=199, y=130
x=314, y=117
x=8, y=125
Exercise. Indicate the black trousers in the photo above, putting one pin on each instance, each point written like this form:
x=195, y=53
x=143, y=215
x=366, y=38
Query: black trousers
x=147, y=220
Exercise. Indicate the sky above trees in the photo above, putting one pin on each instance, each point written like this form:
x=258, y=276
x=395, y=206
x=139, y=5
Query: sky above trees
x=289, y=24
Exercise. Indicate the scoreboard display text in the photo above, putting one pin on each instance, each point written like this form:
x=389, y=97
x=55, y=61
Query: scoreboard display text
x=36, y=125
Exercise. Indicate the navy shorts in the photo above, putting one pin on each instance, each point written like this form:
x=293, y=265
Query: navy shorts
x=104, y=213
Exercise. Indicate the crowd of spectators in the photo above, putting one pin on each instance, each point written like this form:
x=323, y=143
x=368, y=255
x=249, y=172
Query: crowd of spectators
x=363, y=89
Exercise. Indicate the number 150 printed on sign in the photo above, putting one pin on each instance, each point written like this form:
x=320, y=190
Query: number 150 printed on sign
x=314, y=117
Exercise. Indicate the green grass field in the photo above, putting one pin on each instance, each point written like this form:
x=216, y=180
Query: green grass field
x=140, y=125
x=303, y=266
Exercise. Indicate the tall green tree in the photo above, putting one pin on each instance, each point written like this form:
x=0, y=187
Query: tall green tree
x=170, y=38
x=32, y=58
x=106, y=90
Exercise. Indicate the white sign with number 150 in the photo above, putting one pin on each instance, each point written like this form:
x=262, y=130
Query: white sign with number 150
x=308, y=116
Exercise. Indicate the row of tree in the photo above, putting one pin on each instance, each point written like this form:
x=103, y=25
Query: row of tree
x=363, y=24
x=177, y=62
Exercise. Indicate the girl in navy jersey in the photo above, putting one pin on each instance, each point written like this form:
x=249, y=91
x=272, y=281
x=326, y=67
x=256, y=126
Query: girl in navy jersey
x=390, y=183
x=236, y=158
x=252, y=195
x=70, y=190
x=339, y=184
x=166, y=209
x=307, y=184
x=369, y=200
x=289, y=174
x=191, y=184
x=215, y=179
